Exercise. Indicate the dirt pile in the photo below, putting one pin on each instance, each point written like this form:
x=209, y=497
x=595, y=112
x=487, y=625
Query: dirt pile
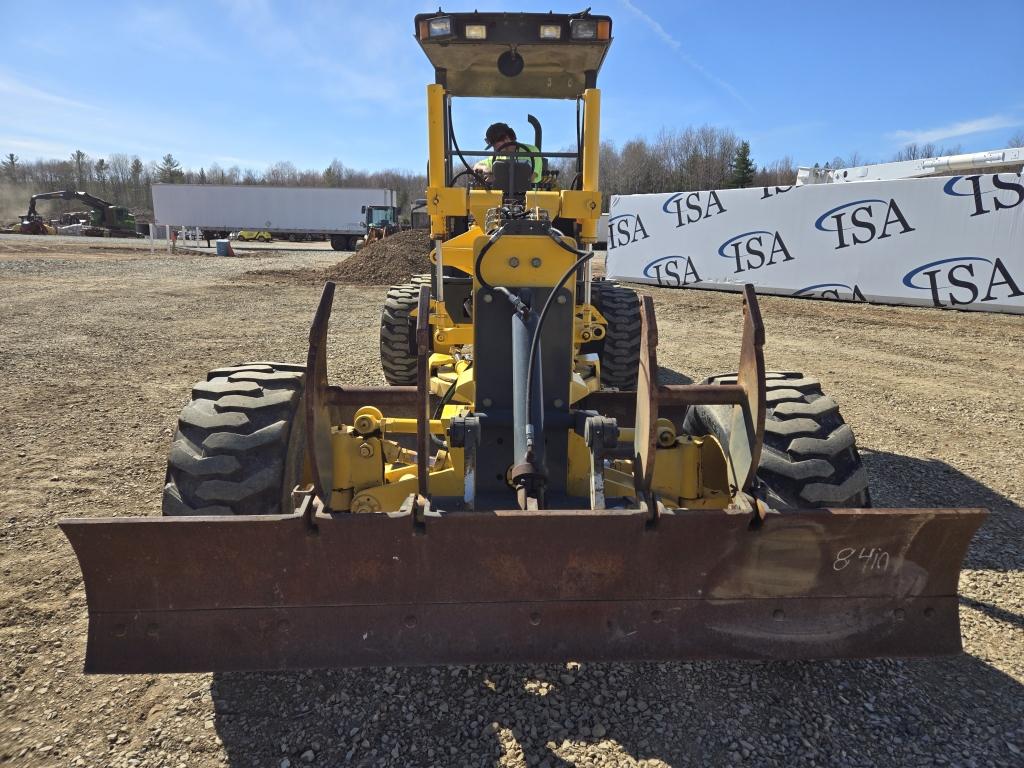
x=385, y=262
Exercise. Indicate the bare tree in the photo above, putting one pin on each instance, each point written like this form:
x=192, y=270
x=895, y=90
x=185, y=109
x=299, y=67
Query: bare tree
x=281, y=174
x=915, y=151
x=120, y=175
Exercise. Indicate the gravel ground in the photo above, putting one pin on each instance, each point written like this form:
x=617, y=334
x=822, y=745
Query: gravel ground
x=100, y=344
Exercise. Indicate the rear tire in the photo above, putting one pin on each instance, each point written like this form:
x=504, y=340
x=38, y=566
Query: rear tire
x=620, y=349
x=396, y=355
x=240, y=445
x=810, y=456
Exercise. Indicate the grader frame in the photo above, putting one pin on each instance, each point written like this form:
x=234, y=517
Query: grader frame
x=523, y=513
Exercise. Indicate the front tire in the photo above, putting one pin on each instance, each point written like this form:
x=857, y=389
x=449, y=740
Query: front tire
x=240, y=445
x=396, y=335
x=620, y=348
x=810, y=456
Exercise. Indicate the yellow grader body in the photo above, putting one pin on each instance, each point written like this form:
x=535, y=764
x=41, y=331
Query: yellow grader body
x=500, y=502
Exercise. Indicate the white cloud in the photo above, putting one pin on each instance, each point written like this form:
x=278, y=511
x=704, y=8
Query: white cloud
x=13, y=87
x=677, y=46
x=963, y=128
x=24, y=144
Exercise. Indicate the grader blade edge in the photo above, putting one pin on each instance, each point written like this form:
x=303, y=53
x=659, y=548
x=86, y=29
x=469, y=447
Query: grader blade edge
x=270, y=592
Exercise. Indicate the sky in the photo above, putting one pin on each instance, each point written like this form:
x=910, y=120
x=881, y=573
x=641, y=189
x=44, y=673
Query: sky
x=254, y=82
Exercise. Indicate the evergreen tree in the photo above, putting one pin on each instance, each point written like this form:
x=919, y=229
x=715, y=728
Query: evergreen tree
x=743, y=168
x=202, y=176
x=334, y=174
x=10, y=166
x=138, y=194
x=168, y=171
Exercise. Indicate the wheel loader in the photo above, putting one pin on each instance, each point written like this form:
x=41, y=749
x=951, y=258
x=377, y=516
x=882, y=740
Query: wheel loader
x=524, y=490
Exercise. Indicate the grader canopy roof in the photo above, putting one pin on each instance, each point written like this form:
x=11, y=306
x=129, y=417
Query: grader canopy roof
x=524, y=55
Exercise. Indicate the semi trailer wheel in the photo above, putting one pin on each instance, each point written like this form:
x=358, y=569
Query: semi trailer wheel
x=810, y=456
x=240, y=447
x=397, y=357
x=620, y=348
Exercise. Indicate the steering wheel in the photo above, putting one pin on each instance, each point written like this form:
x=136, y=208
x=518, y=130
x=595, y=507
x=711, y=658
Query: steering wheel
x=475, y=176
x=521, y=151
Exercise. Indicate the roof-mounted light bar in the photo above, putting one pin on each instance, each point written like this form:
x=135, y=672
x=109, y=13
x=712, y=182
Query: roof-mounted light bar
x=438, y=28
x=589, y=29
x=447, y=28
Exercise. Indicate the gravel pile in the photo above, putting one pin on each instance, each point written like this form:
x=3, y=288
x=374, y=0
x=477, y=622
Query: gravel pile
x=386, y=262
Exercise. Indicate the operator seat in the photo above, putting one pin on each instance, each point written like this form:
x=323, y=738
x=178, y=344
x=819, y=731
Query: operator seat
x=514, y=179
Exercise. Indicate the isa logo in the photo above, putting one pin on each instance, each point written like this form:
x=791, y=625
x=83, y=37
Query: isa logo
x=691, y=207
x=863, y=221
x=965, y=280
x=673, y=271
x=833, y=291
x=767, y=192
x=625, y=228
x=753, y=250
x=990, y=193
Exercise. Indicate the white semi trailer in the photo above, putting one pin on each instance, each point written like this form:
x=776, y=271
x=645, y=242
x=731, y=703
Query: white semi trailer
x=339, y=215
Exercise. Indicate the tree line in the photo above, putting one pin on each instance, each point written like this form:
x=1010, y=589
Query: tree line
x=676, y=160
x=126, y=180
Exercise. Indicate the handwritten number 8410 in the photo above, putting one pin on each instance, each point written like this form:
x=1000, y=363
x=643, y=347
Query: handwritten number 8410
x=873, y=559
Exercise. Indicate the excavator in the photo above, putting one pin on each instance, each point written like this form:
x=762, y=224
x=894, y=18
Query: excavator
x=525, y=489
x=106, y=219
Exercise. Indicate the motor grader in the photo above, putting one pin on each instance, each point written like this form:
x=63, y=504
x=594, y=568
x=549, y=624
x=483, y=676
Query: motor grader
x=525, y=490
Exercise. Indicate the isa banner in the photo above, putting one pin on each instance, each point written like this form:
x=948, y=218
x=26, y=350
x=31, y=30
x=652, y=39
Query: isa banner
x=953, y=241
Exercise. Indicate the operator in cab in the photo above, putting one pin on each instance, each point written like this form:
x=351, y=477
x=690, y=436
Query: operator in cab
x=501, y=136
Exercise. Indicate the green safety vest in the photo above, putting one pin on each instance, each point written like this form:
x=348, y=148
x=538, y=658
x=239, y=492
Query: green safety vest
x=538, y=161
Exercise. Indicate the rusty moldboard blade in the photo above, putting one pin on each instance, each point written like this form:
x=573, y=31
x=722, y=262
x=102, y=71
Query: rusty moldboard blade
x=746, y=434
x=317, y=417
x=222, y=593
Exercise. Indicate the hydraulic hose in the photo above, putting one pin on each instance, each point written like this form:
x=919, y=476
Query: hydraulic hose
x=480, y=258
x=584, y=257
x=455, y=145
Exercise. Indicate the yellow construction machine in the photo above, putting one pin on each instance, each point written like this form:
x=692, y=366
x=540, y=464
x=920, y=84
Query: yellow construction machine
x=526, y=490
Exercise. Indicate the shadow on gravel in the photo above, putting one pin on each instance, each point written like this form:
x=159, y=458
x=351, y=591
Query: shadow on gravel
x=672, y=376
x=774, y=713
x=959, y=710
x=905, y=481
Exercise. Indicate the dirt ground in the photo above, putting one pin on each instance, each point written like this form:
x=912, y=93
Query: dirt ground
x=100, y=344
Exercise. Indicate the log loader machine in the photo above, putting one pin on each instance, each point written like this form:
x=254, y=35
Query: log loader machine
x=500, y=502
x=380, y=221
x=106, y=219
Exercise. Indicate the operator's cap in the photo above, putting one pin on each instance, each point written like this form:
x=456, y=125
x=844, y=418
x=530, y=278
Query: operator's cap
x=496, y=131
